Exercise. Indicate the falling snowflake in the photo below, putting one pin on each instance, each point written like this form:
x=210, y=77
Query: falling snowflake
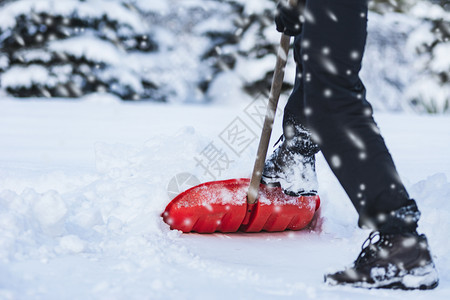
x=308, y=111
x=336, y=161
x=354, y=55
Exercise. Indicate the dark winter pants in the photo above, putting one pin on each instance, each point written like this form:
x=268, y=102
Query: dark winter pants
x=330, y=100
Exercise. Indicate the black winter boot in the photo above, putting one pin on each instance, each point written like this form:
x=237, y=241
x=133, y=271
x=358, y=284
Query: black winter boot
x=292, y=164
x=397, y=261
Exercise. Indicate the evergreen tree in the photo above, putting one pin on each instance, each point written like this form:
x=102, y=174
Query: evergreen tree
x=250, y=49
x=430, y=91
x=74, y=47
x=204, y=50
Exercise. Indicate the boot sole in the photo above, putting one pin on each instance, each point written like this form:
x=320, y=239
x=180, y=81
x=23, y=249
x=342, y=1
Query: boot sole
x=424, y=278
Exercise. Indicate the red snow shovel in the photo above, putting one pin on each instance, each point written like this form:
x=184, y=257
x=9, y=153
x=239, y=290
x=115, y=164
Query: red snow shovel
x=244, y=204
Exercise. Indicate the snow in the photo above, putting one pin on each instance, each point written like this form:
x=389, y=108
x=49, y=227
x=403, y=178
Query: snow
x=442, y=59
x=90, y=47
x=26, y=76
x=255, y=6
x=438, y=101
x=33, y=55
x=95, y=8
x=161, y=6
x=251, y=70
x=126, y=70
x=4, y=61
x=422, y=35
x=388, y=59
x=214, y=25
x=83, y=184
x=227, y=89
x=424, y=9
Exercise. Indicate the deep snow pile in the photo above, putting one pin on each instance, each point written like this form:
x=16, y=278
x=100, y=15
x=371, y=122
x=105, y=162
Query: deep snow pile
x=82, y=186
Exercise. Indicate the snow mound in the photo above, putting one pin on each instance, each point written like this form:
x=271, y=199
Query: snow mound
x=435, y=221
x=26, y=76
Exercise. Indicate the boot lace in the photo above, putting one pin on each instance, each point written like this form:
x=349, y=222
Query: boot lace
x=369, y=248
x=281, y=139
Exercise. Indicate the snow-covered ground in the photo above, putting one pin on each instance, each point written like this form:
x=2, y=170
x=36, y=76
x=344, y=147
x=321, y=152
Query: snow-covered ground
x=82, y=185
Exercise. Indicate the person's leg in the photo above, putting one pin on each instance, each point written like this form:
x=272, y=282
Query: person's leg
x=340, y=117
x=341, y=121
x=294, y=111
x=292, y=164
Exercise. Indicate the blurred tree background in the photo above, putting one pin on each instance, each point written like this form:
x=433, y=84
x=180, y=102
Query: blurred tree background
x=217, y=51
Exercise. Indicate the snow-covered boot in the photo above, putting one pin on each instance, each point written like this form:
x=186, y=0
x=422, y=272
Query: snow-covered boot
x=292, y=164
x=397, y=261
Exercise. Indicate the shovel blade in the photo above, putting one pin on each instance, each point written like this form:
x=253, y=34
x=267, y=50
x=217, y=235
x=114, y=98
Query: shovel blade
x=209, y=207
x=221, y=206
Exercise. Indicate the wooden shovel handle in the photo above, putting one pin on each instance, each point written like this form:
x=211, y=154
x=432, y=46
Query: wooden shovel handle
x=274, y=96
